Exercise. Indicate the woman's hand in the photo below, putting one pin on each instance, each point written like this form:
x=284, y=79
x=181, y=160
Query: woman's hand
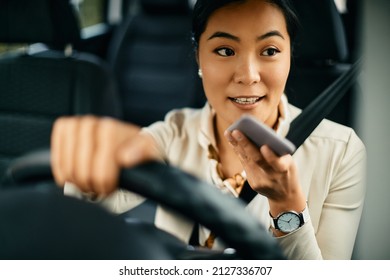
x=89, y=151
x=268, y=174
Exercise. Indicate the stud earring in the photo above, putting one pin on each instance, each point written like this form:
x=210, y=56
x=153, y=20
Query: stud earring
x=200, y=74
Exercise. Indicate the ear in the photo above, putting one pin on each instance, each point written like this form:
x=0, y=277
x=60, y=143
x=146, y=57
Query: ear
x=197, y=56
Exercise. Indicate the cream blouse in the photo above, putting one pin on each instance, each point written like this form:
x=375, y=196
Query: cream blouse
x=331, y=166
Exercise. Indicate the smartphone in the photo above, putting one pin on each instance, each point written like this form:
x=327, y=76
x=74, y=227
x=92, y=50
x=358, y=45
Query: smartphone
x=260, y=135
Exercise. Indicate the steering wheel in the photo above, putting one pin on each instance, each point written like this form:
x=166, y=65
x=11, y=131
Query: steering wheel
x=66, y=223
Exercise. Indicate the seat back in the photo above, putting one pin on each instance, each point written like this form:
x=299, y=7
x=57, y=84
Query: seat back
x=154, y=62
x=320, y=56
x=36, y=88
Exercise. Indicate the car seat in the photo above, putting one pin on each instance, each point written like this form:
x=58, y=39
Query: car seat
x=320, y=56
x=152, y=57
x=38, y=87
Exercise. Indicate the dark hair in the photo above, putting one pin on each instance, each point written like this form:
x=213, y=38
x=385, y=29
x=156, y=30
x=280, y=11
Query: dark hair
x=204, y=8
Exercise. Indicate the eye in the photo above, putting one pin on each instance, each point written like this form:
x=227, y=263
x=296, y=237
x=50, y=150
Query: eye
x=270, y=52
x=225, y=52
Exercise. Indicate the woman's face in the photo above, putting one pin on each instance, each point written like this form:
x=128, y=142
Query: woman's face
x=244, y=55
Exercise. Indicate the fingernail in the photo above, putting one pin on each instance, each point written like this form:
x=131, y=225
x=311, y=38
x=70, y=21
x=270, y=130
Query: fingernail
x=228, y=136
x=237, y=135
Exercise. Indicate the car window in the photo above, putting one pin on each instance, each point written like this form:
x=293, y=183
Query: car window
x=91, y=12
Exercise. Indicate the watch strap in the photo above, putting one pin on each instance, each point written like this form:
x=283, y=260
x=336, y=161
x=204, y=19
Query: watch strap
x=305, y=215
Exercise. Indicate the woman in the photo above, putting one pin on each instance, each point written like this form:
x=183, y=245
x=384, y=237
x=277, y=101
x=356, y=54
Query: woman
x=243, y=49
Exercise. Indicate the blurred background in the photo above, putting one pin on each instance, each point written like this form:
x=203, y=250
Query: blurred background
x=372, y=118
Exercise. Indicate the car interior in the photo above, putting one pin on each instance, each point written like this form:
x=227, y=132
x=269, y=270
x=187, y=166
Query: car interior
x=42, y=83
x=320, y=55
x=135, y=68
x=152, y=57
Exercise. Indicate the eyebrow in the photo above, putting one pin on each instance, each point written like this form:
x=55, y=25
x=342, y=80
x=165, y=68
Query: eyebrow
x=220, y=34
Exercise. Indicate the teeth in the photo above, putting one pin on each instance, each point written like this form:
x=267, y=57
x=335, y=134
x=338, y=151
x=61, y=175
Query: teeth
x=246, y=101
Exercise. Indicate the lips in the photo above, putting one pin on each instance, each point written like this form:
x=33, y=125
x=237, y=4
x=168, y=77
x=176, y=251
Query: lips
x=245, y=100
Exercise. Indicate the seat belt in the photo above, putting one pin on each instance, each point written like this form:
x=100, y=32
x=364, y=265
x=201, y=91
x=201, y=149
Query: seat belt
x=303, y=125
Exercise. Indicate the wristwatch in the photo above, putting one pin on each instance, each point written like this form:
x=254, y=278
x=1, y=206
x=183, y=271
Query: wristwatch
x=290, y=221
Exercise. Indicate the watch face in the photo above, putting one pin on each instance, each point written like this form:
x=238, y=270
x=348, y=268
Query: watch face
x=288, y=222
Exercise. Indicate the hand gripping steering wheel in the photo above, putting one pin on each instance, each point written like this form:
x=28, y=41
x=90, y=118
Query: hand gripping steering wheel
x=42, y=223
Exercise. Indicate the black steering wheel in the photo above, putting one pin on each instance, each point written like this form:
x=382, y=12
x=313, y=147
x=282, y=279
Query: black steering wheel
x=43, y=223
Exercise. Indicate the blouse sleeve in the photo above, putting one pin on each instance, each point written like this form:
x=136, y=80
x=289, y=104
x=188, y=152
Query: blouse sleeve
x=343, y=206
x=166, y=132
x=340, y=214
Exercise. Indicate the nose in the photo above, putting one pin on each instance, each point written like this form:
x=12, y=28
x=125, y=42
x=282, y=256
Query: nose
x=247, y=71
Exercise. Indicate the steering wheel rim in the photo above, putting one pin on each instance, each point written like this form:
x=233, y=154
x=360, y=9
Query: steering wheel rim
x=170, y=186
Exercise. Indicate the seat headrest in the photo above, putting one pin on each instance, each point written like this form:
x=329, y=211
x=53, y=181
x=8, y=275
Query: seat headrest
x=165, y=6
x=322, y=34
x=52, y=22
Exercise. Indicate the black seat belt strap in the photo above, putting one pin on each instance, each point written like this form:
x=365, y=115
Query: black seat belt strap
x=247, y=193
x=303, y=125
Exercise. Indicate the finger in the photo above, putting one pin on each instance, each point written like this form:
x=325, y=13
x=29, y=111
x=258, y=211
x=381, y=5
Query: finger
x=85, y=149
x=63, y=142
x=277, y=163
x=229, y=137
x=104, y=168
x=245, y=149
x=69, y=142
x=56, y=152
